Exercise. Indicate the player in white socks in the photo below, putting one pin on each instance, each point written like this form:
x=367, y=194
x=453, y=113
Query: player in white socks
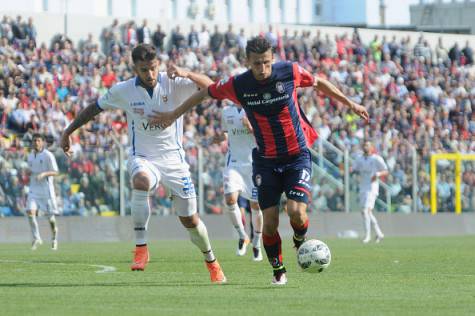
x=371, y=167
x=156, y=154
x=237, y=176
x=41, y=197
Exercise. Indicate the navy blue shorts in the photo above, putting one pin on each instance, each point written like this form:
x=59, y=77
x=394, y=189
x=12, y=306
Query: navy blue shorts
x=272, y=177
x=244, y=203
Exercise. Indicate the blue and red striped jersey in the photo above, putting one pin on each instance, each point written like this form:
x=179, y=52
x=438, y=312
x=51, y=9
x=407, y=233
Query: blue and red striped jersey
x=280, y=127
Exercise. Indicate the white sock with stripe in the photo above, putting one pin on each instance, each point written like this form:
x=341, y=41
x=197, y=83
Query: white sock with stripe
x=234, y=214
x=140, y=214
x=199, y=237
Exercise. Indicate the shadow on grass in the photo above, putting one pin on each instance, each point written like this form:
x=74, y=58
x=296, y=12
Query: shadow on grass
x=142, y=284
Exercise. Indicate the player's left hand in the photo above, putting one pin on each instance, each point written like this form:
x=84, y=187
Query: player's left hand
x=374, y=178
x=174, y=71
x=361, y=111
x=163, y=119
x=40, y=176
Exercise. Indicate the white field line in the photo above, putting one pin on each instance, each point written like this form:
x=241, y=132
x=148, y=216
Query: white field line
x=103, y=268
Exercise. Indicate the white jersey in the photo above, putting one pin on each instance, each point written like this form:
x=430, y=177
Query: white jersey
x=241, y=141
x=367, y=166
x=149, y=141
x=37, y=163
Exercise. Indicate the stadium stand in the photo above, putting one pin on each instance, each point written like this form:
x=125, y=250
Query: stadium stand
x=414, y=93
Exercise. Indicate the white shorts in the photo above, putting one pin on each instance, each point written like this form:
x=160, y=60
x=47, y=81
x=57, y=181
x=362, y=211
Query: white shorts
x=172, y=171
x=43, y=204
x=368, y=199
x=239, y=179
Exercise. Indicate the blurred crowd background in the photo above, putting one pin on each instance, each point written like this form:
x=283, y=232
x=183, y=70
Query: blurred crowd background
x=417, y=96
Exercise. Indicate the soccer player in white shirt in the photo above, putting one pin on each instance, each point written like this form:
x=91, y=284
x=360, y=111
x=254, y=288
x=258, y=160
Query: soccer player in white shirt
x=237, y=176
x=41, y=197
x=371, y=167
x=156, y=154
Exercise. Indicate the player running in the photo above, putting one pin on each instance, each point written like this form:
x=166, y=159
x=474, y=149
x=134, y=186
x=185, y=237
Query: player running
x=237, y=176
x=41, y=196
x=281, y=161
x=156, y=153
x=371, y=167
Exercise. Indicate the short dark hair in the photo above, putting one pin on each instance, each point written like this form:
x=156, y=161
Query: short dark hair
x=257, y=45
x=144, y=52
x=38, y=135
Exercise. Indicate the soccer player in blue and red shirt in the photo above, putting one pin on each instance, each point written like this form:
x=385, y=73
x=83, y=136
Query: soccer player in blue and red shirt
x=281, y=161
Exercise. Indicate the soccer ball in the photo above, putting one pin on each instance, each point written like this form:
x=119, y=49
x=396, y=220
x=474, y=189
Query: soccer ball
x=314, y=256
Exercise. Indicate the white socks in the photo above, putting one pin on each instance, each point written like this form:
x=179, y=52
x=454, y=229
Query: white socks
x=367, y=224
x=34, y=227
x=374, y=221
x=140, y=214
x=199, y=236
x=236, y=219
x=368, y=219
x=257, y=224
x=54, y=227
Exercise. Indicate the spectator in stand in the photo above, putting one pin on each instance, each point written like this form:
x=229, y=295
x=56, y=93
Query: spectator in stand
x=427, y=102
x=159, y=38
x=144, y=34
x=216, y=40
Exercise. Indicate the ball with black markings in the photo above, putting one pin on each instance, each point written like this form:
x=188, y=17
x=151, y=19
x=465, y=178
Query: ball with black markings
x=314, y=256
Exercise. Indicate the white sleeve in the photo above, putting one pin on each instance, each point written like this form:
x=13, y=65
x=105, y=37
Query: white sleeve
x=224, y=125
x=52, y=165
x=113, y=99
x=356, y=165
x=380, y=164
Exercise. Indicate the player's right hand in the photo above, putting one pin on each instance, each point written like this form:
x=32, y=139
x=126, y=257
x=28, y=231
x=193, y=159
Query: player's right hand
x=163, y=119
x=65, y=144
x=217, y=138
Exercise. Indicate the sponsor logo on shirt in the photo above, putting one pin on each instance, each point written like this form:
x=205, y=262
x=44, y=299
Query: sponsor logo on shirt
x=150, y=127
x=269, y=99
x=137, y=103
x=240, y=131
x=139, y=111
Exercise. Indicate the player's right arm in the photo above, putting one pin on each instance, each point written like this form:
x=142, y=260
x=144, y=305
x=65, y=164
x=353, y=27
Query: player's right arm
x=220, y=137
x=219, y=90
x=86, y=114
x=112, y=99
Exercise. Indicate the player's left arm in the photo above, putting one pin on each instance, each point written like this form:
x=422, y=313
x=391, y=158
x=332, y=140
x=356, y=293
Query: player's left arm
x=52, y=166
x=328, y=89
x=200, y=80
x=382, y=169
x=247, y=124
x=303, y=78
x=165, y=119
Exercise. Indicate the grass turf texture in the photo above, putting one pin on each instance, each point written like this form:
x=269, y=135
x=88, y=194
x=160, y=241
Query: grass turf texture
x=401, y=276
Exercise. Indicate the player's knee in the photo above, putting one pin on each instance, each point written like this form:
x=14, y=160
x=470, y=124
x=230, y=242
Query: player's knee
x=255, y=206
x=230, y=199
x=30, y=213
x=269, y=228
x=190, y=221
x=141, y=182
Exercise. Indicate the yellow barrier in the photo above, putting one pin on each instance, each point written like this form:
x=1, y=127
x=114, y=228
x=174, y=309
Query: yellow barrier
x=458, y=158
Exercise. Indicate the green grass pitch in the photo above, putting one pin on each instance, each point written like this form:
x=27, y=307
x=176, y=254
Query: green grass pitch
x=401, y=276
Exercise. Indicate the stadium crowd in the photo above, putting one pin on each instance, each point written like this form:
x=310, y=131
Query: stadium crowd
x=416, y=95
